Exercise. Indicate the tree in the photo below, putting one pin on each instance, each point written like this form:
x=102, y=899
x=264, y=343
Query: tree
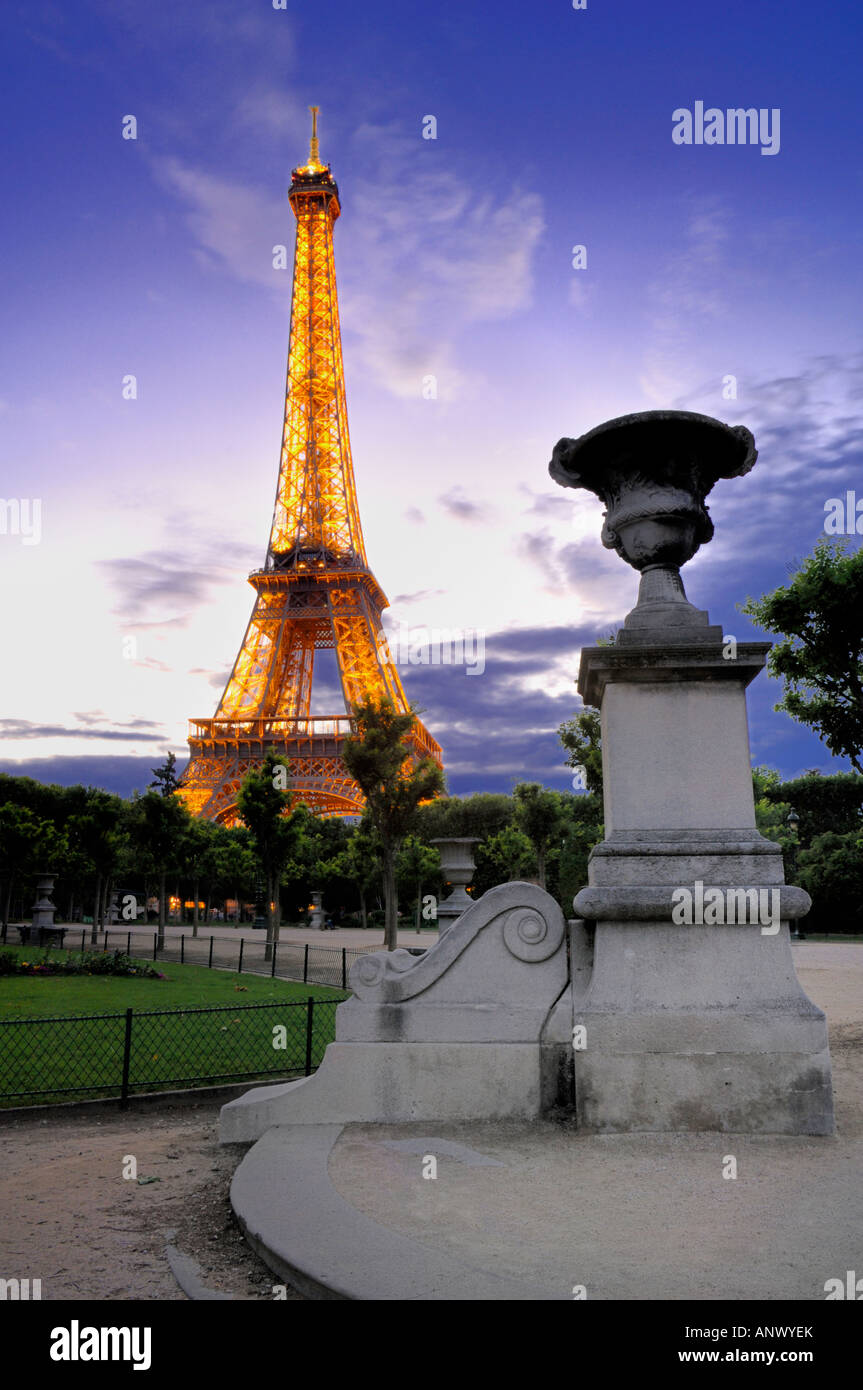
x=581, y=736
x=504, y=857
x=378, y=758
x=360, y=861
x=417, y=864
x=263, y=806
x=158, y=825
x=820, y=617
x=194, y=848
x=165, y=777
x=27, y=843
x=96, y=836
x=831, y=872
x=538, y=814
x=822, y=804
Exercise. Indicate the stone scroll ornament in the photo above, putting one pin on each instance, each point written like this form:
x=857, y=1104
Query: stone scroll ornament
x=653, y=471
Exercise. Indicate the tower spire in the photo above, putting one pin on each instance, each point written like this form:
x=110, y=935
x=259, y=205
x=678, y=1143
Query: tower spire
x=314, y=152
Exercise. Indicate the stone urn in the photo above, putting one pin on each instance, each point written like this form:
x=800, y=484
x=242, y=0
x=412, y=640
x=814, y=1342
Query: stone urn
x=457, y=864
x=43, y=908
x=653, y=472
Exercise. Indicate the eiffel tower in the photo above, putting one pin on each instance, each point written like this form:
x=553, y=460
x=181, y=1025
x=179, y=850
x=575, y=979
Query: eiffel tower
x=315, y=589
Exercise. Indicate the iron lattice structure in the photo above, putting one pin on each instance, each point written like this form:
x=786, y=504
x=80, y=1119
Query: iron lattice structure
x=315, y=590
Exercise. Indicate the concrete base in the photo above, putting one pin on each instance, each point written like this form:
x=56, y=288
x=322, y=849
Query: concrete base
x=699, y=1028
x=393, y=1082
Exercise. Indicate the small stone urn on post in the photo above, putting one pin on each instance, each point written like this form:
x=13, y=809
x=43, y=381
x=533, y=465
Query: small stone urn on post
x=44, y=908
x=693, y=1016
x=457, y=866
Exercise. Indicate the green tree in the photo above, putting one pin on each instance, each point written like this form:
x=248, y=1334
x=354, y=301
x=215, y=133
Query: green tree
x=504, y=857
x=96, y=835
x=417, y=864
x=27, y=844
x=158, y=825
x=194, y=850
x=831, y=871
x=361, y=861
x=264, y=807
x=581, y=737
x=819, y=615
x=538, y=814
x=165, y=777
x=377, y=757
x=822, y=803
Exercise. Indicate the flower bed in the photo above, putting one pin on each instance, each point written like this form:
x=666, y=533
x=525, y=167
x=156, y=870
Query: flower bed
x=87, y=963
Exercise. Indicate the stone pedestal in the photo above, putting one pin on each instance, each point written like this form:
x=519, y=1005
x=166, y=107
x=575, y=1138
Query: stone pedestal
x=43, y=907
x=688, y=1012
x=317, y=912
x=701, y=1025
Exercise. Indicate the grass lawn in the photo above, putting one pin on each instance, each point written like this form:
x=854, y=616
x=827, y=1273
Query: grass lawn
x=77, y=1047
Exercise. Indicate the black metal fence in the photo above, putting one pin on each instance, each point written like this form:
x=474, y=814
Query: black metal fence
x=120, y=1054
x=290, y=960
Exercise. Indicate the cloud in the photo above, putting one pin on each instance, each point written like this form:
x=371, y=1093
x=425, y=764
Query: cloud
x=418, y=268
x=150, y=588
x=419, y=596
x=687, y=294
x=236, y=226
x=414, y=514
x=120, y=775
x=461, y=508
x=131, y=732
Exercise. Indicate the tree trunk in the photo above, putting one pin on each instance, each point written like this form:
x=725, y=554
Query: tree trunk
x=161, y=931
x=271, y=920
x=419, y=901
x=195, y=882
x=391, y=902
x=97, y=901
x=6, y=905
x=363, y=916
x=540, y=863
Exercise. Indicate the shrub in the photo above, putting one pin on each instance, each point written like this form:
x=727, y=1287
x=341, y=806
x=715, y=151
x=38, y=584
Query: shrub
x=97, y=963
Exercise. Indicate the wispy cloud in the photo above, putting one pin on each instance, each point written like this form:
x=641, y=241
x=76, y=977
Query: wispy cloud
x=422, y=264
x=131, y=732
x=151, y=588
x=462, y=508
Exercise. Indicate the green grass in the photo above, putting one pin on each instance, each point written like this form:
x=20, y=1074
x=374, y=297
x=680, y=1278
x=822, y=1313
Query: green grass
x=45, y=1061
x=184, y=987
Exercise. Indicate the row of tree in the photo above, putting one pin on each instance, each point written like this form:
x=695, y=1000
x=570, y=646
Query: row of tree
x=280, y=852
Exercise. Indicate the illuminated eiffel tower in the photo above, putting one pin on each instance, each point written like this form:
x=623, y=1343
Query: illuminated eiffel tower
x=315, y=589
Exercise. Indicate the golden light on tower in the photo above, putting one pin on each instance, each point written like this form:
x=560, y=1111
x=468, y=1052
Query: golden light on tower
x=315, y=589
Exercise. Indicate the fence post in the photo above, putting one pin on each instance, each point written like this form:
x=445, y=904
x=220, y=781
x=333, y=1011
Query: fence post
x=83, y=934
x=182, y=948
x=310, y=1014
x=240, y=966
x=344, y=968
x=127, y=1054
x=129, y=942
x=210, y=961
x=275, y=950
x=306, y=965
x=155, y=945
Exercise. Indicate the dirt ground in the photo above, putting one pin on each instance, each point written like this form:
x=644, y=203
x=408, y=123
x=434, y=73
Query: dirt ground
x=71, y=1219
